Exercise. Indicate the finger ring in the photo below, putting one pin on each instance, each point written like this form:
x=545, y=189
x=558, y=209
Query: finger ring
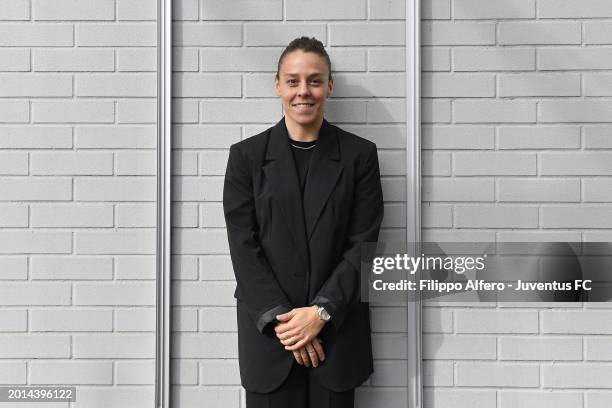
x=310, y=350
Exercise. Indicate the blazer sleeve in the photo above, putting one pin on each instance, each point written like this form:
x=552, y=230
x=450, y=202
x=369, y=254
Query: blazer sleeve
x=259, y=290
x=342, y=289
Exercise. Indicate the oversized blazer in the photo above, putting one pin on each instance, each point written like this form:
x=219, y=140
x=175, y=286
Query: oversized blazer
x=291, y=252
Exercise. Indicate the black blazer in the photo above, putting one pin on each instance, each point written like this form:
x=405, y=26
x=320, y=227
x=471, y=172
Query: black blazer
x=287, y=253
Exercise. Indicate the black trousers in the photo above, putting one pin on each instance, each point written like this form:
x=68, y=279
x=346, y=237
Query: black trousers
x=301, y=390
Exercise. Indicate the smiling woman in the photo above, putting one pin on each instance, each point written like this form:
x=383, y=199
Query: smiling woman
x=303, y=331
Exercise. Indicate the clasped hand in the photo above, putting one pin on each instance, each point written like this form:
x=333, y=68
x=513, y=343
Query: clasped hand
x=297, y=330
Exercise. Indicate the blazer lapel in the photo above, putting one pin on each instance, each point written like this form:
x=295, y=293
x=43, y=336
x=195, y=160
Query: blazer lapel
x=324, y=172
x=285, y=187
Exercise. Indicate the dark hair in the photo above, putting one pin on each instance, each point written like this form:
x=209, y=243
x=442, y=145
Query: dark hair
x=307, y=45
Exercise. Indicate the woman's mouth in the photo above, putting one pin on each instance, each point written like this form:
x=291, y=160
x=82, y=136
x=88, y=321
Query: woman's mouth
x=303, y=107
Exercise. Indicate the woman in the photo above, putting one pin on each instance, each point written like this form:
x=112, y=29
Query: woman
x=299, y=200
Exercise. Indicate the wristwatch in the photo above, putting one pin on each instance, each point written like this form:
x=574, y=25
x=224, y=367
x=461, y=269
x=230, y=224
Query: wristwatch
x=323, y=315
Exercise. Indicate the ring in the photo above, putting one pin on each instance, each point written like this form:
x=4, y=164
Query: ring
x=311, y=350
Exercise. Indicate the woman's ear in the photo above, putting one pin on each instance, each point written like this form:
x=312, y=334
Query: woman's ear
x=277, y=86
x=330, y=87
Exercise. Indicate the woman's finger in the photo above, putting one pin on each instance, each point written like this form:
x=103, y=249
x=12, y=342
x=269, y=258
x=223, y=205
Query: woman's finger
x=298, y=357
x=287, y=334
x=312, y=354
x=316, y=343
x=305, y=358
x=301, y=343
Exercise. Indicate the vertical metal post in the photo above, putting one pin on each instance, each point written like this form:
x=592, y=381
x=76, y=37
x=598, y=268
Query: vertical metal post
x=164, y=122
x=413, y=199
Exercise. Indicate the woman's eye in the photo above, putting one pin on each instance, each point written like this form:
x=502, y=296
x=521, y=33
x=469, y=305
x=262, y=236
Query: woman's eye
x=292, y=82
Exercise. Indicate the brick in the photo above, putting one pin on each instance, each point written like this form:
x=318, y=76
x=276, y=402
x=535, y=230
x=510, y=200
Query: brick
x=213, y=162
x=137, y=59
x=136, y=10
x=366, y=85
x=13, y=163
x=205, y=345
x=359, y=111
x=596, y=137
x=113, y=294
x=80, y=111
x=206, y=35
x=116, y=85
x=207, y=85
x=395, y=9
x=72, y=60
x=35, y=189
x=35, y=85
x=14, y=10
x=205, y=293
x=481, y=398
x=185, y=10
x=597, y=85
x=259, y=85
x=22, y=293
x=71, y=268
x=436, y=216
x=220, y=372
x=71, y=215
x=136, y=215
x=539, y=85
x=136, y=372
x=14, y=268
x=216, y=267
x=185, y=215
x=395, y=215
x=137, y=111
x=14, y=59
x=539, y=190
x=385, y=136
x=495, y=111
x=576, y=322
x=185, y=59
x=483, y=9
x=192, y=396
x=218, y=319
x=130, y=346
x=34, y=346
x=386, y=110
x=72, y=163
x=117, y=35
x=457, y=33
x=115, y=242
x=500, y=216
x=371, y=33
x=323, y=10
x=496, y=321
x=241, y=59
x=537, y=399
x=13, y=320
x=449, y=347
x=598, y=348
x=31, y=242
x=576, y=375
x=115, y=189
x=540, y=137
x=598, y=399
x=14, y=111
x=135, y=267
x=570, y=9
x=493, y=163
x=493, y=374
x=457, y=85
x=577, y=217
x=135, y=319
x=493, y=59
x=136, y=397
x=141, y=163
x=574, y=58
x=254, y=111
x=242, y=10
x=590, y=163
x=539, y=32
x=211, y=241
x=457, y=189
x=435, y=163
x=198, y=189
x=184, y=320
x=597, y=32
x=597, y=190
x=13, y=372
x=74, y=10
x=457, y=137
x=433, y=59
x=275, y=34
x=436, y=10
x=184, y=163
x=435, y=110
x=437, y=373
x=347, y=59
x=392, y=163
x=540, y=348
x=185, y=267
x=389, y=346
x=71, y=320
x=36, y=35
x=115, y=137
x=387, y=59
x=390, y=374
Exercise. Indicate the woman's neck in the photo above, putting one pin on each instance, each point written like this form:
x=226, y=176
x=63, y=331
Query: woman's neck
x=303, y=133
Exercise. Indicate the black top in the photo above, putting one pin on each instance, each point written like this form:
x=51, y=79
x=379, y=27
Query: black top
x=302, y=152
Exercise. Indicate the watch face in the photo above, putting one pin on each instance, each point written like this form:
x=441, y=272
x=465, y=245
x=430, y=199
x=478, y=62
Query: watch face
x=324, y=315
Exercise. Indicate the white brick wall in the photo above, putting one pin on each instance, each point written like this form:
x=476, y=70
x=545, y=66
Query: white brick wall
x=77, y=192
x=514, y=93
x=225, y=61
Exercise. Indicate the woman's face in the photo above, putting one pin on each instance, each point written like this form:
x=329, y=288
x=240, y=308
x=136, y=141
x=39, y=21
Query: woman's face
x=303, y=85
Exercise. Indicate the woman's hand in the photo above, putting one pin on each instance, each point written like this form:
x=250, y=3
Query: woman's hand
x=311, y=354
x=298, y=327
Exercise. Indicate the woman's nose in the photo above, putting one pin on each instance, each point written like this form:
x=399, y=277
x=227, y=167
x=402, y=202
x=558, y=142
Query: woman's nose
x=303, y=89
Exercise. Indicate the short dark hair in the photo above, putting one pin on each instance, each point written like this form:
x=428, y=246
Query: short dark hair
x=307, y=45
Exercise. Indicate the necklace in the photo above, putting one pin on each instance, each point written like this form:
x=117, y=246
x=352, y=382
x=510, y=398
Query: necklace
x=304, y=148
